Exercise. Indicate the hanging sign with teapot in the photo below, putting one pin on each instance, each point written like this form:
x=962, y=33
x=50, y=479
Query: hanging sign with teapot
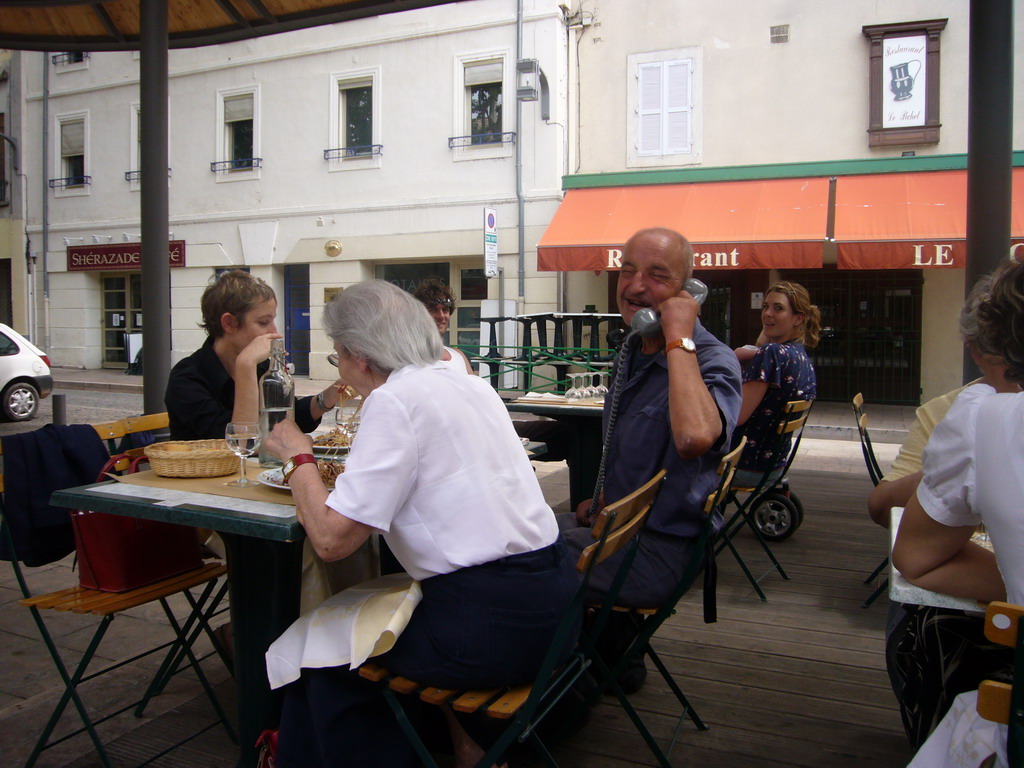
x=903, y=69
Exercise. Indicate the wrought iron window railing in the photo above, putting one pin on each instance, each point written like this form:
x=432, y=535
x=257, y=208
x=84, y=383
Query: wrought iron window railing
x=136, y=176
x=70, y=57
x=482, y=139
x=238, y=164
x=359, y=150
x=70, y=181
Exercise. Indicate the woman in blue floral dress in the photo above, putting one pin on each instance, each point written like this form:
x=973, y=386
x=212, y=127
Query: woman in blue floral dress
x=778, y=372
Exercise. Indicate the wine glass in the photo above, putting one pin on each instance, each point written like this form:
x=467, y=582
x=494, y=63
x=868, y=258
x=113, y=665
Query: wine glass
x=573, y=393
x=243, y=438
x=601, y=388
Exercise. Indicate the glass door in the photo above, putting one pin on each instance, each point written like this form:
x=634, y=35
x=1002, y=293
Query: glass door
x=122, y=318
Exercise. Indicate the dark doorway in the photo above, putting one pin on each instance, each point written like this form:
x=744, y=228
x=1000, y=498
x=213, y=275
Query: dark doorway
x=296, y=314
x=871, y=333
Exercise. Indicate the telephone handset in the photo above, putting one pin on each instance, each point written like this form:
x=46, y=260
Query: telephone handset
x=647, y=322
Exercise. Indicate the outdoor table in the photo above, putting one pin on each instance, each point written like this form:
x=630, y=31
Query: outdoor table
x=263, y=538
x=584, y=425
x=902, y=591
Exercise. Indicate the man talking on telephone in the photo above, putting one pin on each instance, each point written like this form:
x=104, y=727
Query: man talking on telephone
x=679, y=398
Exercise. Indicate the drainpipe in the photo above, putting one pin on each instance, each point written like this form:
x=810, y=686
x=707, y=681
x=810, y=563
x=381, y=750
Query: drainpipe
x=46, y=200
x=520, y=200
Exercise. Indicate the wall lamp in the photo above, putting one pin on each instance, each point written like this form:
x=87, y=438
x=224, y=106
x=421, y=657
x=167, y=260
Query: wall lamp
x=130, y=236
x=531, y=84
x=69, y=240
x=102, y=238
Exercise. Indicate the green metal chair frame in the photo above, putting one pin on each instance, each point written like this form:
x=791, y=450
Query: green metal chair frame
x=648, y=620
x=525, y=707
x=875, y=473
x=209, y=579
x=791, y=423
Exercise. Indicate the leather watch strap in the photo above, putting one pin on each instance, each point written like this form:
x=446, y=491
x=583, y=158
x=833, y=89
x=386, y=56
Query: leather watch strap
x=297, y=461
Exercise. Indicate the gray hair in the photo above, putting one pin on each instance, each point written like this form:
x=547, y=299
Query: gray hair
x=970, y=331
x=385, y=325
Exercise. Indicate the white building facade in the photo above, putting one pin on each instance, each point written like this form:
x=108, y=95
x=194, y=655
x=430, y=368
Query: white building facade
x=373, y=148
x=314, y=159
x=707, y=102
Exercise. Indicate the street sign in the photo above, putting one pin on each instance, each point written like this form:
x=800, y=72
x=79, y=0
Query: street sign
x=490, y=242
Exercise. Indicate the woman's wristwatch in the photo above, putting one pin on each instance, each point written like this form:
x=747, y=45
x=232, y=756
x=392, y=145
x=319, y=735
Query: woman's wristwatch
x=295, y=462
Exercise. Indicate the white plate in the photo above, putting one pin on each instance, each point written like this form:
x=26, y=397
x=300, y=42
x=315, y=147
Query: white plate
x=273, y=478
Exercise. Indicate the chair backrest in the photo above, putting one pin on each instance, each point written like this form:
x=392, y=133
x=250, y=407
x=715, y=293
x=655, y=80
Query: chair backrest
x=794, y=418
x=112, y=431
x=726, y=470
x=618, y=522
x=874, y=470
x=1000, y=702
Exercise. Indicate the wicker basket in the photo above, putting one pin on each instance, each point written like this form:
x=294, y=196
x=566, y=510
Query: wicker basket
x=192, y=458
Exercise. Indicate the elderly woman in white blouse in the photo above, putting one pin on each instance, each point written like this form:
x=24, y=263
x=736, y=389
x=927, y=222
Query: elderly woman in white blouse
x=438, y=471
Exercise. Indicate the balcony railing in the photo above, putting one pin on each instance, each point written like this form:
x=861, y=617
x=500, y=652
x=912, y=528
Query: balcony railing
x=70, y=181
x=238, y=164
x=482, y=139
x=359, y=150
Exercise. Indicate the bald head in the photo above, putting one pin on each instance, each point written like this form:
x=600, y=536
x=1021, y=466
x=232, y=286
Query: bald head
x=676, y=248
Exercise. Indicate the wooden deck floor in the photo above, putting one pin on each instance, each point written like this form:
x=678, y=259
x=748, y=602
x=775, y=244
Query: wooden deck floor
x=797, y=681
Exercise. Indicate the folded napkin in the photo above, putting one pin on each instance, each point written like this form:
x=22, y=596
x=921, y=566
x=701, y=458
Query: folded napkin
x=349, y=628
x=543, y=396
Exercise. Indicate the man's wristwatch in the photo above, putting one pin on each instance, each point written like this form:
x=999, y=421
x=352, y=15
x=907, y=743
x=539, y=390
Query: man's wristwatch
x=685, y=343
x=295, y=462
x=320, y=401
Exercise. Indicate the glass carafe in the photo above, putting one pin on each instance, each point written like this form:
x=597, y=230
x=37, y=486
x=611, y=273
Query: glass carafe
x=277, y=398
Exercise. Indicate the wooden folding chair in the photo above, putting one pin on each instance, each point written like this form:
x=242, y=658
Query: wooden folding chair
x=648, y=620
x=106, y=606
x=788, y=432
x=1002, y=702
x=525, y=707
x=875, y=473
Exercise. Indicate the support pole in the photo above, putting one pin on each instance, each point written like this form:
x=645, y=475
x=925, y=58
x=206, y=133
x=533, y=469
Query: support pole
x=156, y=279
x=989, y=142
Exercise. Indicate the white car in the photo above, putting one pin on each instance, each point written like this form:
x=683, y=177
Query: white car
x=24, y=376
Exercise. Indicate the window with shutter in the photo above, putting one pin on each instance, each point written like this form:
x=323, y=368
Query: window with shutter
x=72, y=152
x=664, y=107
x=664, y=93
x=238, y=139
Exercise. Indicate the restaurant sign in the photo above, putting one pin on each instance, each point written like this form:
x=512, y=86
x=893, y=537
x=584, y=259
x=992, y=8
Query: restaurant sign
x=109, y=258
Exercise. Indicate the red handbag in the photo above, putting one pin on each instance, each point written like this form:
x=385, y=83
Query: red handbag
x=267, y=742
x=117, y=553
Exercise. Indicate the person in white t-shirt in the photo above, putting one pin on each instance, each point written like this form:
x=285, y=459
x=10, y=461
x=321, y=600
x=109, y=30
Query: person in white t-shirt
x=973, y=468
x=438, y=470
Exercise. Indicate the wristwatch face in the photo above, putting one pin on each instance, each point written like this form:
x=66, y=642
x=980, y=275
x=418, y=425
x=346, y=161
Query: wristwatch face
x=688, y=345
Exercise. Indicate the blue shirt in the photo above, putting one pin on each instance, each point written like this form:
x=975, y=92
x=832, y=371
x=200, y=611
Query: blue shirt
x=789, y=373
x=642, y=443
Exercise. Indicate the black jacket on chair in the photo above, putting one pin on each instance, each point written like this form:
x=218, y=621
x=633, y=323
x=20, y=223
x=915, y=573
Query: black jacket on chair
x=35, y=465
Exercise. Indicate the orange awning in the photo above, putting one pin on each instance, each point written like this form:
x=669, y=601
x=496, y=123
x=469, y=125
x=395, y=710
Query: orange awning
x=777, y=223
x=910, y=220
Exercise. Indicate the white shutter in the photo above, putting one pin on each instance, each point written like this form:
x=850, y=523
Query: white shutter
x=72, y=138
x=238, y=108
x=664, y=109
x=677, y=106
x=649, y=109
x=484, y=72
